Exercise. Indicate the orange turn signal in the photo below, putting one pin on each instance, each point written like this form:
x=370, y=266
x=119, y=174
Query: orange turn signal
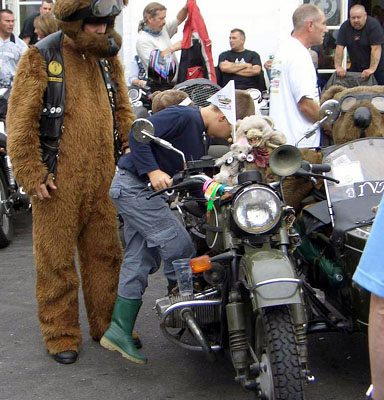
x=200, y=264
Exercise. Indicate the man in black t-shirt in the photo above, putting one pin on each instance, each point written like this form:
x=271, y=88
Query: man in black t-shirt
x=241, y=65
x=28, y=30
x=363, y=36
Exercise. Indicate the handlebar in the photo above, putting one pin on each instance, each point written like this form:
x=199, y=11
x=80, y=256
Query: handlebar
x=305, y=174
x=195, y=181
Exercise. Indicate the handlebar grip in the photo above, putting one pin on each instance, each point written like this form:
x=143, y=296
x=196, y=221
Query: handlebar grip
x=315, y=168
x=187, y=184
x=320, y=168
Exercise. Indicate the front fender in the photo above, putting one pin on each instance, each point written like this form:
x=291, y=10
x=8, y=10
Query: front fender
x=270, y=278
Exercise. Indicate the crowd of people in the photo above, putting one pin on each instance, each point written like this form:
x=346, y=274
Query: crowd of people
x=73, y=208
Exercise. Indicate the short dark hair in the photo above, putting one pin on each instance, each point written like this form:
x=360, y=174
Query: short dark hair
x=6, y=11
x=242, y=33
x=47, y=1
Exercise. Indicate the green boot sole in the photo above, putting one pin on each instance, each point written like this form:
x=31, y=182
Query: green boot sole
x=109, y=345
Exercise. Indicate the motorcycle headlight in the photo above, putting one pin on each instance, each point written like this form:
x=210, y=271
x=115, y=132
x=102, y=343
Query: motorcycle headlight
x=256, y=209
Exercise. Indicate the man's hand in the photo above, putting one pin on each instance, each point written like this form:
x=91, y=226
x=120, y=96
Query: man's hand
x=367, y=73
x=159, y=179
x=309, y=108
x=171, y=49
x=341, y=72
x=42, y=190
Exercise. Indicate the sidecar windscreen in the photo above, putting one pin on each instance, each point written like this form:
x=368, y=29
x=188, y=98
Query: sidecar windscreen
x=359, y=166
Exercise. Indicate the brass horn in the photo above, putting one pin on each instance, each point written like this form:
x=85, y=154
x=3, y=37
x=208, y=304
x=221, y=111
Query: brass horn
x=285, y=160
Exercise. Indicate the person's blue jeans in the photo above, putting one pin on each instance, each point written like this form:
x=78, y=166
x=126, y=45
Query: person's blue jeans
x=152, y=234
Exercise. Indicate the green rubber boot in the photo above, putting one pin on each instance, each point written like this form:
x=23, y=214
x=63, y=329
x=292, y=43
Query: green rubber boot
x=118, y=337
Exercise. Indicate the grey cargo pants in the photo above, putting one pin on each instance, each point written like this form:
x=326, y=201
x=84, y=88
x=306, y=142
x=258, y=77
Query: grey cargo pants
x=151, y=231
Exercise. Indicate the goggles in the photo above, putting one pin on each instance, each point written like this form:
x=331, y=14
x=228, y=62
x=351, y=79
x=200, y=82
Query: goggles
x=97, y=9
x=348, y=101
x=106, y=8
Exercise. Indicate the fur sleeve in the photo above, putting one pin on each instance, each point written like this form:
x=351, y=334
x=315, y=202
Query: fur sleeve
x=23, y=117
x=124, y=113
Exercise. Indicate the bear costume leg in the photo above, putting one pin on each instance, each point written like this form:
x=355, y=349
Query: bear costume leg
x=57, y=282
x=100, y=259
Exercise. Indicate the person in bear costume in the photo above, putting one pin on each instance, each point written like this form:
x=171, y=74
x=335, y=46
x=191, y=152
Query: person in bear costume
x=360, y=106
x=71, y=208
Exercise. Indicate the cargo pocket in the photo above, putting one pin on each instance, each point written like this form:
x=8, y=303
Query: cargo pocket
x=114, y=192
x=162, y=235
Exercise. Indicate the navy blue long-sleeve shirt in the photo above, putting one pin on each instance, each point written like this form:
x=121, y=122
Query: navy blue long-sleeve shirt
x=180, y=125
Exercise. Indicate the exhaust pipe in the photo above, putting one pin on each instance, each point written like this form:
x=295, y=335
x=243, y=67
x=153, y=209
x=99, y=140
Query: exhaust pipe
x=187, y=315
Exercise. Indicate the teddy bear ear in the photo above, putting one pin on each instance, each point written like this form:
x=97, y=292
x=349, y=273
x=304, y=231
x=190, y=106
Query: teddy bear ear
x=331, y=92
x=65, y=8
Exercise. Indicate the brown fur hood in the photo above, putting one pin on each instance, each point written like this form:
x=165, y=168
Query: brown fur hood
x=96, y=44
x=344, y=129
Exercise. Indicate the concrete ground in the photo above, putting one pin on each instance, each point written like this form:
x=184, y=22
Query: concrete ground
x=339, y=362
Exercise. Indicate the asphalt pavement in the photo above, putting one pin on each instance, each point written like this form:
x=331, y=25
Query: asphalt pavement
x=338, y=361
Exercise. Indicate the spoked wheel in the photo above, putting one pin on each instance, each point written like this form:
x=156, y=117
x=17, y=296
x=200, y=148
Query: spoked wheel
x=275, y=346
x=6, y=223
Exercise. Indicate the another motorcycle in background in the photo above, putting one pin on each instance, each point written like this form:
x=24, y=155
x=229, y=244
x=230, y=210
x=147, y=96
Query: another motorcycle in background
x=261, y=101
x=12, y=197
x=140, y=100
x=198, y=90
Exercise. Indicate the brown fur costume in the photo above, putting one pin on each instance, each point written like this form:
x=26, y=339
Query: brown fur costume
x=344, y=130
x=80, y=214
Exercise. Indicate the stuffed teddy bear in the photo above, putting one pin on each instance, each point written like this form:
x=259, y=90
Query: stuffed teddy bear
x=346, y=127
x=229, y=163
x=255, y=139
x=72, y=210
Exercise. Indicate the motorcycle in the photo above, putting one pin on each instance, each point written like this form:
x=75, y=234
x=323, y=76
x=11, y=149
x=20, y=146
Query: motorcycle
x=12, y=197
x=140, y=100
x=334, y=231
x=198, y=90
x=247, y=297
x=261, y=101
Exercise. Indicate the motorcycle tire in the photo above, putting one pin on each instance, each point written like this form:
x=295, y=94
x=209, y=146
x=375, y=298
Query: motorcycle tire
x=281, y=377
x=6, y=221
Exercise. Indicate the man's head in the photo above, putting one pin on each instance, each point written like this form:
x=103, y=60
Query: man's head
x=237, y=40
x=154, y=15
x=46, y=7
x=7, y=23
x=216, y=123
x=90, y=24
x=357, y=16
x=45, y=25
x=309, y=25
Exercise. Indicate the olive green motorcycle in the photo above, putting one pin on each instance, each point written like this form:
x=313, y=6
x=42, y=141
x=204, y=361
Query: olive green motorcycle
x=247, y=298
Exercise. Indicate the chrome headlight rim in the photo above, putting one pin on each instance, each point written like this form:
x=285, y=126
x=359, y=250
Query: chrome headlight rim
x=257, y=229
x=134, y=94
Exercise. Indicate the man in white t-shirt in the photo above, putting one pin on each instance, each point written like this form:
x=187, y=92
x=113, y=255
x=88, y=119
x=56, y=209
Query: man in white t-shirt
x=294, y=101
x=11, y=48
x=156, y=33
